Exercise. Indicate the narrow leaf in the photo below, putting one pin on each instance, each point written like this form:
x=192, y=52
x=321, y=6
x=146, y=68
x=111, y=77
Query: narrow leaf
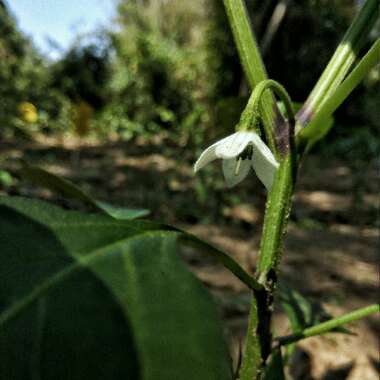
x=68, y=189
x=330, y=325
x=321, y=122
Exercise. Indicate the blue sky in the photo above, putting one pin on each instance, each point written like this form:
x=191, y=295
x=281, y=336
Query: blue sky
x=60, y=20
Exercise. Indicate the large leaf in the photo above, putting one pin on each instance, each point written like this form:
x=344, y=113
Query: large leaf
x=90, y=297
x=68, y=189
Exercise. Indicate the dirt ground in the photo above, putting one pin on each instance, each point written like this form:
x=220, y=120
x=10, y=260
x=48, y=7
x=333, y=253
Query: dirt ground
x=331, y=250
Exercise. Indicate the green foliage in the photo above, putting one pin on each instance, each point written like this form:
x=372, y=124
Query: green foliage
x=91, y=297
x=171, y=68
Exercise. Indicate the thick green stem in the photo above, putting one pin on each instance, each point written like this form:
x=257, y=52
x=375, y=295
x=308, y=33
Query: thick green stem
x=251, y=60
x=259, y=336
x=341, y=61
x=245, y=41
x=275, y=220
x=278, y=207
x=251, y=364
x=330, y=325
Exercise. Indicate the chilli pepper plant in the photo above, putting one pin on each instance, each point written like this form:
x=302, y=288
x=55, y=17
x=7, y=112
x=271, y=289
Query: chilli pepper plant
x=104, y=295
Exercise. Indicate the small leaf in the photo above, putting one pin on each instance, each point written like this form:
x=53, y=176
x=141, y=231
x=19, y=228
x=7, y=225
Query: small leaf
x=68, y=189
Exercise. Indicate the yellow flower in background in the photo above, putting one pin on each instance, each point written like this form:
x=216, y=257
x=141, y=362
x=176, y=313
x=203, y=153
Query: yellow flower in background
x=28, y=112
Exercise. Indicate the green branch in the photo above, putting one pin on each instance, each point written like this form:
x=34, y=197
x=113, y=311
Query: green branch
x=341, y=61
x=329, y=325
x=316, y=129
x=252, y=113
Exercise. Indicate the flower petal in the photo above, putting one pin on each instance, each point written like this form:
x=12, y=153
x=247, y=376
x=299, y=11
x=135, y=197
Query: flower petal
x=233, y=145
x=229, y=171
x=206, y=157
x=264, y=164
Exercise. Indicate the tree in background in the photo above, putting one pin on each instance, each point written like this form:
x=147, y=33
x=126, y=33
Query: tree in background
x=158, y=71
x=171, y=67
x=82, y=75
x=83, y=72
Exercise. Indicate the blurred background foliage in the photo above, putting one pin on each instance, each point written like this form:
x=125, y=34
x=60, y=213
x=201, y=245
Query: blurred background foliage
x=170, y=68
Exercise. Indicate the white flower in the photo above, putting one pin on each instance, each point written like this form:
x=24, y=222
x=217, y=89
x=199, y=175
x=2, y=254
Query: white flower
x=239, y=151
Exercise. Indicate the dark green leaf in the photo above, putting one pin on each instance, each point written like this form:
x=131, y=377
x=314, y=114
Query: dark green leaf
x=90, y=297
x=68, y=189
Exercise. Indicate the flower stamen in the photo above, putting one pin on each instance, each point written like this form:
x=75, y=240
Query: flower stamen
x=237, y=167
x=245, y=155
